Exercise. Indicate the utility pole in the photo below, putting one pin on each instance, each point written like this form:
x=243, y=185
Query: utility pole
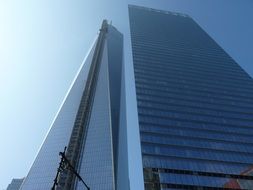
x=66, y=165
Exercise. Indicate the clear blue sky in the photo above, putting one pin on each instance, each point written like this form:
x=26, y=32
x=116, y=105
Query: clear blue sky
x=42, y=44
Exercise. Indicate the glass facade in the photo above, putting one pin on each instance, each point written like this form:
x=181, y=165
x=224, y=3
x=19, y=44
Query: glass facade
x=195, y=105
x=97, y=161
x=15, y=184
x=44, y=167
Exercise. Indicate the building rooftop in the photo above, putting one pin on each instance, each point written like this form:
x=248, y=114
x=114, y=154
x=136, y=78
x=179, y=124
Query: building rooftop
x=160, y=11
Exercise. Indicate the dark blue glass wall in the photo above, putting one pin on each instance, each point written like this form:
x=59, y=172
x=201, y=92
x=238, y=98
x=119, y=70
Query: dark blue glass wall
x=115, y=53
x=195, y=105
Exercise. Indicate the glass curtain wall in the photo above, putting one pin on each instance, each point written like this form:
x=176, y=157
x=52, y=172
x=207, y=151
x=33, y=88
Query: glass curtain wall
x=195, y=105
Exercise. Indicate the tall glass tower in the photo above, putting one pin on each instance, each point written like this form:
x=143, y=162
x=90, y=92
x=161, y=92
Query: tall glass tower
x=177, y=113
x=87, y=123
x=195, y=106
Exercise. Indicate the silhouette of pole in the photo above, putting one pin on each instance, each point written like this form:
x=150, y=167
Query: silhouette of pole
x=65, y=164
x=59, y=169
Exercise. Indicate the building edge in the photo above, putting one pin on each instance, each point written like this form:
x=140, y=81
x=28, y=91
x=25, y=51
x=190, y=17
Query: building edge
x=135, y=170
x=61, y=106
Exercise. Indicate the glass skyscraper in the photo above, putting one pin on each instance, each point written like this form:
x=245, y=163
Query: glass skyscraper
x=87, y=123
x=15, y=184
x=195, y=105
x=184, y=121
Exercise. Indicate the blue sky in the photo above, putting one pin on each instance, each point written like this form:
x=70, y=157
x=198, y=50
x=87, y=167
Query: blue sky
x=42, y=45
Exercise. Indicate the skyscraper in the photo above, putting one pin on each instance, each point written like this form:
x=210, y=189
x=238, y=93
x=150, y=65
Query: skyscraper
x=191, y=101
x=15, y=184
x=87, y=123
x=195, y=105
